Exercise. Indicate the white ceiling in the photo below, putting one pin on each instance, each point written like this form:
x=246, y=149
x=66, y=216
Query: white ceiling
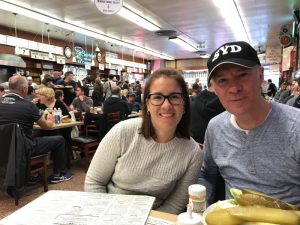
x=199, y=20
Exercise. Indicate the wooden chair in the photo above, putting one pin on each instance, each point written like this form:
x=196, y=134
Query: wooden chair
x=16, y=160
x=39, y=165
x=87, y=142
x=112, y=119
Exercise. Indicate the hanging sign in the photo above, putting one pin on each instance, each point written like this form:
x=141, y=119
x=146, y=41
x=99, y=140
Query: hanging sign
x=83, y=57
x=109, y=6
x=21, y=51
x=273, y=54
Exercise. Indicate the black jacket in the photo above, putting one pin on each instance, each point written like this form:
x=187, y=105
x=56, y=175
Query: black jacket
x=15, y=155
x=205, y=106
x=115, y=104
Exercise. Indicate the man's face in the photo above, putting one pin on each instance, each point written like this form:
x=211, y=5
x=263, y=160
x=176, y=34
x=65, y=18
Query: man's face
x=131, y=98
x=78, y=92
x=238, y=88
x=69, y=77
x=56, y=75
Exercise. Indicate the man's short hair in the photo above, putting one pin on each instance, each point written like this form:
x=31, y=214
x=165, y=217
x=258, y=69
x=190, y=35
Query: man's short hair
x=16, y=82
x=115, y=90
x=2, y=88
x=131, y=94
x=68, y=73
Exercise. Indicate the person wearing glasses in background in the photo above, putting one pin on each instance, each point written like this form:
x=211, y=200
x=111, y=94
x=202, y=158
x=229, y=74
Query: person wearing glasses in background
x=153, y=155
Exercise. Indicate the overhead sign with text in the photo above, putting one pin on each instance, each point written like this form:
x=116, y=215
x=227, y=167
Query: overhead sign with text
x=82, y=56
x=109, y=6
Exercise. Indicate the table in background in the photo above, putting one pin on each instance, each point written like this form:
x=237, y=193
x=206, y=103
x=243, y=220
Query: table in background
x=135, y=114
x=60, y=125
x=68, y=145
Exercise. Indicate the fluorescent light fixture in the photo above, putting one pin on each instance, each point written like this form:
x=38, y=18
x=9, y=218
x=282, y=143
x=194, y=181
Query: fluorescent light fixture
x=231, y=14
x=183, y=43
x=137, y=19
x=4, y=5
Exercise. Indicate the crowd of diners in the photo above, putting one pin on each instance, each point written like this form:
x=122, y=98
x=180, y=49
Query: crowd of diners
x=247, y=141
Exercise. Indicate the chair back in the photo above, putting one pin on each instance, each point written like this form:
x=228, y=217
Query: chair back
x=16, y=162
x=112, y=119
x=15, y=155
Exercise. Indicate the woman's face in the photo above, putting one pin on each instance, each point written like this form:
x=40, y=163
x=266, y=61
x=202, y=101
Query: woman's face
x=42, y=98
x=166, y=116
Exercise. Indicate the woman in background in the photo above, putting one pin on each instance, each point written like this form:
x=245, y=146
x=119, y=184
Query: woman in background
x=46, y=99
x=153, y=155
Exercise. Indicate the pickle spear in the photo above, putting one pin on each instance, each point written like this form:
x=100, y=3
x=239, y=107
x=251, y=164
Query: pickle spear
x=247, y=197
x=265, y=215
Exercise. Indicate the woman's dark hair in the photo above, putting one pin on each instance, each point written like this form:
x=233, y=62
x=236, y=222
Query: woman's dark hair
x=183, y=127
x=58, y=94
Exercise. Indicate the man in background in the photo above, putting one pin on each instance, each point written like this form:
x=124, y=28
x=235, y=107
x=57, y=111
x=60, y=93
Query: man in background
x=205, y=106
x=81, y=102
x=116, y=104
x=196, y=86
x=15, y=109
x=70, y=87
x=133, y=105
x=272, y=89
x=56, y=75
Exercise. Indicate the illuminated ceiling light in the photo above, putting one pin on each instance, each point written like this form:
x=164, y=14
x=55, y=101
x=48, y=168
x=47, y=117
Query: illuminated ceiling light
x=184, y=44
x=4, y=5
x=137, y=19
x=232, y=16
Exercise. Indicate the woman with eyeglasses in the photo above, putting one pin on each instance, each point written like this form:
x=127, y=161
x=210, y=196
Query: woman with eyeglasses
x=153, y=155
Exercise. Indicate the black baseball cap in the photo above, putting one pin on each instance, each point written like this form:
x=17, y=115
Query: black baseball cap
x=238, y=53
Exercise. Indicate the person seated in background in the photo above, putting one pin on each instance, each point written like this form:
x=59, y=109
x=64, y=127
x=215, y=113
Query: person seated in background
x=133, y=105
x=46, y=100
x=81, y=102
x=15, y=109
x=283, y=88
x=255, y=143
x=59, y=96
x=115, y=104
x=291, y=92
x=2, y=91
x=153, y=155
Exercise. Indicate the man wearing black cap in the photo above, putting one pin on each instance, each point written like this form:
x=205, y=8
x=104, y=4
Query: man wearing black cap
x=255, y=144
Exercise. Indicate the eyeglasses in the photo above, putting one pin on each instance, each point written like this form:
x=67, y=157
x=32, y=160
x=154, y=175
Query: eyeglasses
x=159, y=99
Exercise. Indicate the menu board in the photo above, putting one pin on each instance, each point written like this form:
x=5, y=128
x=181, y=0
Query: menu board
x=83, y=208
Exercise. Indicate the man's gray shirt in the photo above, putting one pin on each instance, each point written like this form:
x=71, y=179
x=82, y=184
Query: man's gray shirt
x=265, y=159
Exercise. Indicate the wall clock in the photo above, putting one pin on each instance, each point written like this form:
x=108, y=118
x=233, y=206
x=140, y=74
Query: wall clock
x=68, y=52
x=99, y=57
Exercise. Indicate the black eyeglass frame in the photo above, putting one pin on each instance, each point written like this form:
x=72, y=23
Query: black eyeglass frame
x=166, y=97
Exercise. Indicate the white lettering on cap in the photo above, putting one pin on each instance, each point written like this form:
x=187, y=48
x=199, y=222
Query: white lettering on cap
x=224, y=49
